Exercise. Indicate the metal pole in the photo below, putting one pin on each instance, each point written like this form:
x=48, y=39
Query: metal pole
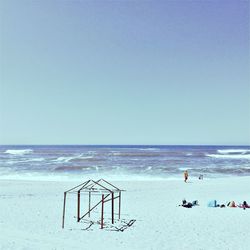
x=102, y=211
x=89, y=202
x=94, y=206
x=84, y=184
x=112, y=207
x=120, y=204
x=78, y=206
x=64, y=204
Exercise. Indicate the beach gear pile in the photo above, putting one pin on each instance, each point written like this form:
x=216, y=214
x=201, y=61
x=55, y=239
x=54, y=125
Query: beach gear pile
x=214, y=203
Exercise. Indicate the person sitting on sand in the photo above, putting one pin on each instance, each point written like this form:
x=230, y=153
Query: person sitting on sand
x=185, y=175
x=245, y=205
x=189, y=204
x=186, y=204
x=231, y=204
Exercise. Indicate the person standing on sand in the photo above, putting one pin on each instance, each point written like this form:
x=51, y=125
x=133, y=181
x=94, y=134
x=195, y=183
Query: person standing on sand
x=185, y=175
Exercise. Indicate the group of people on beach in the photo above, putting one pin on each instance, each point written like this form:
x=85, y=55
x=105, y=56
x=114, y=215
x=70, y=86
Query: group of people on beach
x=214, y=203
x=243, y=205
x=186, y=176
x=189, y=204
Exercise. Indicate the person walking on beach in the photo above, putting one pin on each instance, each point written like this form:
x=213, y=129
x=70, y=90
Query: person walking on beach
x=185, y=175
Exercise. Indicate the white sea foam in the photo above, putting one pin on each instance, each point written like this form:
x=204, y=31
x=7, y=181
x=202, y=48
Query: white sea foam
x=18, y=151
x=116, y=154
x=33, y=159
x=183, y=169
x=247, y=167
x=63, y=159
x=148, y=149
x=228, y=156
x=72, y=177
x=20, y=160
x=69, y=158
x=233, y=151
x=37, y=159
x=87, y=157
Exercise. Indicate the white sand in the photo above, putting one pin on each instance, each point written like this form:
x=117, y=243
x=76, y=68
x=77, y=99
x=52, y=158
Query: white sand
x=31, y=213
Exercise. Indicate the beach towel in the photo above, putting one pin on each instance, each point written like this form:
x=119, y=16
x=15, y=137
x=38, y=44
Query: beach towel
x=212, y=203
x=242, y=206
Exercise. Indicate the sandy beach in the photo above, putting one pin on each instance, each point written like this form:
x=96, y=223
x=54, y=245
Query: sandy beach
x=136, y=92
x=31, y=214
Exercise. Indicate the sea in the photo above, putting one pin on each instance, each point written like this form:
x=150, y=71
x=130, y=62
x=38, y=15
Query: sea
x=121, y=162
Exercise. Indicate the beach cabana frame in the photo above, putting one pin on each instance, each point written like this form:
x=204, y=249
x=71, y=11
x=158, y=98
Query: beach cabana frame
x=106, y=190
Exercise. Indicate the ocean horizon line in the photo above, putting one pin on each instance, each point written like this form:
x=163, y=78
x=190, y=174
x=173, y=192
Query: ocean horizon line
x=135, y=145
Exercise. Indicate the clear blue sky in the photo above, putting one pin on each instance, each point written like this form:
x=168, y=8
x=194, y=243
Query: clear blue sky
x=125, y=72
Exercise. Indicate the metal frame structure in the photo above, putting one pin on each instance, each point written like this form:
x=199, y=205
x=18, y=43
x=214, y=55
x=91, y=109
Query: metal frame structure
x=108, y=192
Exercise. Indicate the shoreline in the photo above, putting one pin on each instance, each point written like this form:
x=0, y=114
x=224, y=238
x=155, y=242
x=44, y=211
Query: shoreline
x=68, y=179
x=78, y=177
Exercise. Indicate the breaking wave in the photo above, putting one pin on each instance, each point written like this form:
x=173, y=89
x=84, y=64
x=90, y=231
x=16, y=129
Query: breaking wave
x=137, y=154
x=71, y=158
x=230, y=156
x=233, y=151
x=183, y=169
x=72, y=168
x=148, y=149
x=18, y=151
x=16, y=161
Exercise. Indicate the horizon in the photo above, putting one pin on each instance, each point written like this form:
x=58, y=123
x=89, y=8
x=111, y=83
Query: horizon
x=133, y=145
